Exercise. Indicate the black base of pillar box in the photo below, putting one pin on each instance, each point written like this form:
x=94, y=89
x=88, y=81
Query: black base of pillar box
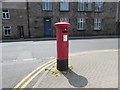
x=62, y=65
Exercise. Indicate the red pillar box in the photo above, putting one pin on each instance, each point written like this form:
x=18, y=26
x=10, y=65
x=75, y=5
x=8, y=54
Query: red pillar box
x=62, y=33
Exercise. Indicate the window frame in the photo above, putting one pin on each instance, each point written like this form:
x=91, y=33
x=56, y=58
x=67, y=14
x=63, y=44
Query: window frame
x=81, y=5
x=98, y=24
x=6, y=13
x=7, y=31
x=81, y=21
x=45, y=7
x=99, y=3
x=64, y=1
x=65, y=19
x=88, y=6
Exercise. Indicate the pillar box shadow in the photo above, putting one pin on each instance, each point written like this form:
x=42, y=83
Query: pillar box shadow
x=74, y=79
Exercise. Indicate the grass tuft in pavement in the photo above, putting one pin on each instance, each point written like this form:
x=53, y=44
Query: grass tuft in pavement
x=53, y=70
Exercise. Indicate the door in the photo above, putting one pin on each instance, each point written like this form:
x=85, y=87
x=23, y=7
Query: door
x=21, y=31
x=47, y=27
x=118, y=25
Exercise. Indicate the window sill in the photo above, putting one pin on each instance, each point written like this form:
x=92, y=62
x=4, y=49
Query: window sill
x=6, y=18
x=47, y=10
x=98, y=11
x=97, y=29
x=7, y=35
x=88, y=11
x=81, y=29
x=64, y=10
x=81, y=11
x=85, y=11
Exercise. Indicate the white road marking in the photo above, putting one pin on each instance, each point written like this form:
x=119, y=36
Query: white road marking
x=29, y=59
x=52, y=57
x=14, y=60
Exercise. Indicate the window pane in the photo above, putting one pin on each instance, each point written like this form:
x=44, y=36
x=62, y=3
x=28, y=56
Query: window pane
x=81, y=24
x=43, y=5
x=97, y=24
x=7, y=15
x=78, y=26
x=5, y=10
x=89, y=5
x=7, y=27
x=64, y=19
x=98, y=5
x=9, y=31
x=50, y=5
x=64, y=5
x=47, y=5
x=5, y=32
x=81, y=5
x=3, y=15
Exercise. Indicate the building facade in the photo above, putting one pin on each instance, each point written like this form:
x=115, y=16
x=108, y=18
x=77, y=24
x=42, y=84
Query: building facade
x=36, y=19
x=118, y=19
x=14, y=20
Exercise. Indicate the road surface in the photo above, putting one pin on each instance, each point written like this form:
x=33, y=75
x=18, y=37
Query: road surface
x=20, y=58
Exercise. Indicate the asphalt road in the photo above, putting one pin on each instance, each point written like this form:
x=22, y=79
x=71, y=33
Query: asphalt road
x=20, y=58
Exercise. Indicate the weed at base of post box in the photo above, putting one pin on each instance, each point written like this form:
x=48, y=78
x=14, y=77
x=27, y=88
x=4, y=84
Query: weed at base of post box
x=53, y=70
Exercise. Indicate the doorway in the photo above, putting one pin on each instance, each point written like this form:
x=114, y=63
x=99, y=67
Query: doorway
x=118, y=25
x=21, y=31
x=47, y=27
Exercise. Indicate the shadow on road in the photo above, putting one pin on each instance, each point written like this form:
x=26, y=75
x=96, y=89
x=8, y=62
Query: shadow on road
x=74, y=79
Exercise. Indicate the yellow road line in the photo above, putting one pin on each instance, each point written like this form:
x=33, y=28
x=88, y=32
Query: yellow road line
x=93, y=51
x=36, y=75
x=52, y=61
x=32, y=73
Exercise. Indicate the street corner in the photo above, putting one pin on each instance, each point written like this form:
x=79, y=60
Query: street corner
x=25, y=63
x=98, y=69
x=54, y=78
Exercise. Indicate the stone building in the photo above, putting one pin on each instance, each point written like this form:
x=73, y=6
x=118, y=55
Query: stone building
x=14, y=20
x=36, y=19
x=118, y=18
x=85, y=18
x=0, y=21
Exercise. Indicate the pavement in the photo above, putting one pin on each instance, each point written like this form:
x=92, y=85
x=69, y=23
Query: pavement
x=19, y=59
x=96, y=69
x=54, y=38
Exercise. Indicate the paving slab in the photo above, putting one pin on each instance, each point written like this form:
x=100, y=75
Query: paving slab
x=95, y=70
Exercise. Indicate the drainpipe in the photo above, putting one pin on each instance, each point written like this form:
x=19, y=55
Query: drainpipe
x=29, y=33
x=117, y=15
x=117, y=11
